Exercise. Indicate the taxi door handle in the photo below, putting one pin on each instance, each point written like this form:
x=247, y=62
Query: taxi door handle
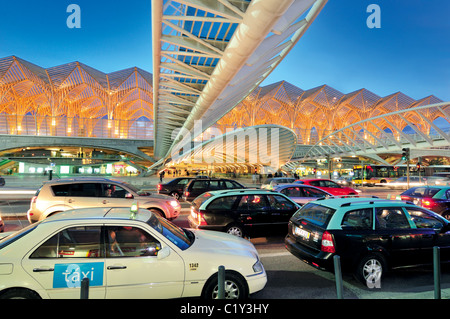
x=116, y=267
x=43, y=269
x=105, y=201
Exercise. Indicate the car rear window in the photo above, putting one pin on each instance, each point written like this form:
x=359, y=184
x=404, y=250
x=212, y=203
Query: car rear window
x=200, y=199
x=422, y=191
x=316, y=214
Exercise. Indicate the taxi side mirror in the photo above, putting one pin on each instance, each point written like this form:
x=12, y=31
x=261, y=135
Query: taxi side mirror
x=164, y=252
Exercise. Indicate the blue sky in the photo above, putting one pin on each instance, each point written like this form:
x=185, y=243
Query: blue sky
x=409, y=53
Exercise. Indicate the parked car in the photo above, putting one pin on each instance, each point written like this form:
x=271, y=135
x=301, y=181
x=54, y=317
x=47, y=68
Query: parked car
x=402, y=182
x=60, y=195
x=125, y=254
x=2, y=181
x=270, y=183
x=173, y=188
x=370, y=235
x=435, y=198
x=196, y=187
x=300, y=193
x=245, y=212
x=329, y=186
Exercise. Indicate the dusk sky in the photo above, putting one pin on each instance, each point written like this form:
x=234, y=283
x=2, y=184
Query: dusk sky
x=409, y=53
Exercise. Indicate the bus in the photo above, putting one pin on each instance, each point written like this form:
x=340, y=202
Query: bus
x=369, y=174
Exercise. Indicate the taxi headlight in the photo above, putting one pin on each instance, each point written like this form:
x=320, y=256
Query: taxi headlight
x=258, y=267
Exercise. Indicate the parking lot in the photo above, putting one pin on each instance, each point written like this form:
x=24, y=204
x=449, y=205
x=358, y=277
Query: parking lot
x=288, y=277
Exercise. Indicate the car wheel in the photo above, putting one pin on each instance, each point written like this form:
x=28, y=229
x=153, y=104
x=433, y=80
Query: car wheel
x=235, y=287
x=175, y=195
x=370, y=269
x=235, y=230
x=19, y=294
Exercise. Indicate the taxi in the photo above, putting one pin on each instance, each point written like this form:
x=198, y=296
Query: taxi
x=124, y=254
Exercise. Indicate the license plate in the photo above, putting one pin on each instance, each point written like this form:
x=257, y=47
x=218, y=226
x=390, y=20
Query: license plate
x=301, y=232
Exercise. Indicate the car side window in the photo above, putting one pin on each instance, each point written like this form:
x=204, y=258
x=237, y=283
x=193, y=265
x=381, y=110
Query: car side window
x=332, y=184
x=424, y=220
x=358, y=219
x=200, y=185
x=225, y=202
x=124, y=241
x=183, y=181
x=114, y=191
x=60, y=190
x=312, y=192
x=291, y=192
x=315, y=183
x=215, y=185
x=74, y=242
x=278, y=202
x=391, y=218
x=84, y=190
x=253, y=202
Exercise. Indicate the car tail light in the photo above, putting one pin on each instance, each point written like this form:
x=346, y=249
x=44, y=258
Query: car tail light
x=199, y=218
x=428, y=203
x=158, y=187
x=186, y=194
x=327, y=243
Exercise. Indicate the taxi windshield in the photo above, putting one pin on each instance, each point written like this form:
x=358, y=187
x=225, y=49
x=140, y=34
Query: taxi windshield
x=182, y=238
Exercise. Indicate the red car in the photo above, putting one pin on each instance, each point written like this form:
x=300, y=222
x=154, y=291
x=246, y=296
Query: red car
x=329, y=186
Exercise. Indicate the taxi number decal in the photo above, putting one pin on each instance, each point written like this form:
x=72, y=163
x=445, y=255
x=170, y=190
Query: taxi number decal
x=71, y=275
x=193, y=266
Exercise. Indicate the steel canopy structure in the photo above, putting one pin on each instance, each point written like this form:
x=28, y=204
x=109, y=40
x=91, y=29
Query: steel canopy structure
x=260, y=146
x=386, y=133
x=208, y=55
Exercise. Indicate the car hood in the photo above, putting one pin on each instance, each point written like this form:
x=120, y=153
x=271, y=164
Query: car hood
x=154, y=196
x=222, y=243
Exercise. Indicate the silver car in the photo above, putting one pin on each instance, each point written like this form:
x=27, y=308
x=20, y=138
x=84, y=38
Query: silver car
x=64, y=194
x=271, y=183
x=414, y=181
x=301, y=194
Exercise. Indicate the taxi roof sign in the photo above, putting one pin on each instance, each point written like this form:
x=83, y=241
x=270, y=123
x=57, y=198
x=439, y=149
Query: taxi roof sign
x=133, y=209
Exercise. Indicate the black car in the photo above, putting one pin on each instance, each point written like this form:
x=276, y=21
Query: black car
x=174, y=188
x=196, y=187
x=242, y=212
x=370, y=235
x=435, y=198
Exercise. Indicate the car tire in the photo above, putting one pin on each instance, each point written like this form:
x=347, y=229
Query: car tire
x=371, y=269
x=175, y=195
x=235, y=287
x=18, y=293
x=235, y=229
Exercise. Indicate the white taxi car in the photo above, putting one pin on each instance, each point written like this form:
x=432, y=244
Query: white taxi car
x=124, y=254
